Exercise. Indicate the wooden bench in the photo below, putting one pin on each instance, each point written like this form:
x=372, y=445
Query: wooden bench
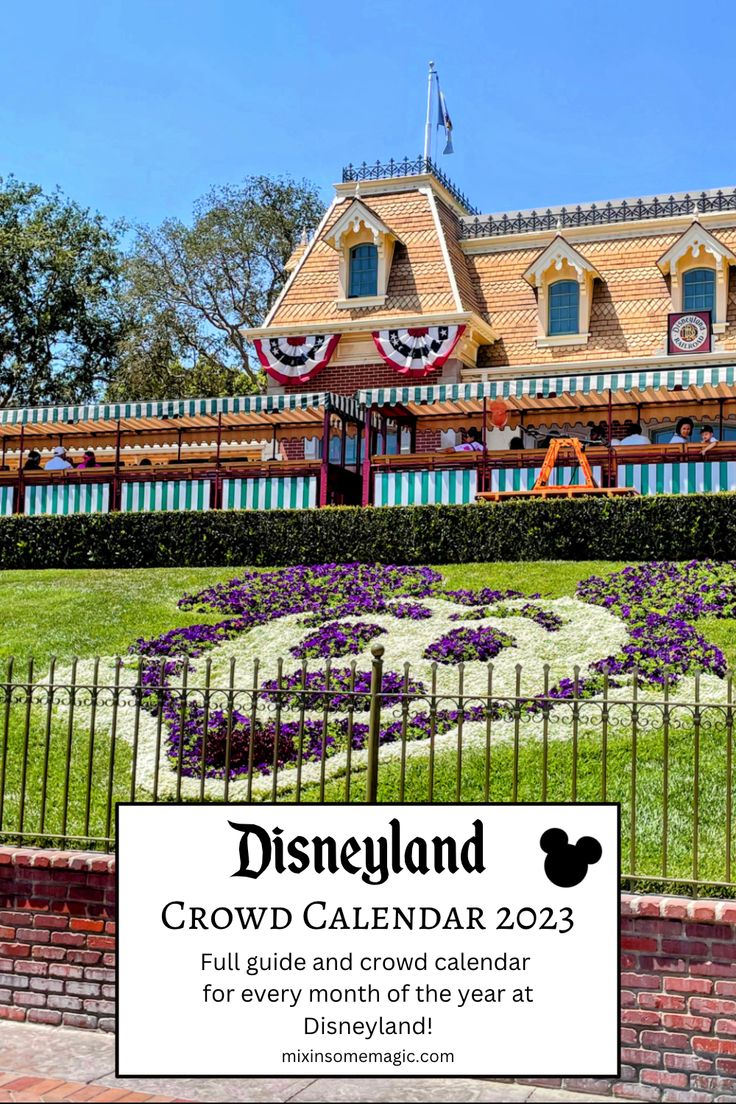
x=554, y=492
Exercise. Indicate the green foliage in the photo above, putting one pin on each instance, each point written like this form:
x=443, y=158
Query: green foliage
x=60, y=322
x=663, y=527
x=191, y=289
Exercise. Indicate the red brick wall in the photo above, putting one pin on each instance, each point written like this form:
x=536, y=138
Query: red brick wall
x=428, y=440
x=678, y=962
x=294, y=448
x=57, y=937
x=678, y=1002
x=346, y=379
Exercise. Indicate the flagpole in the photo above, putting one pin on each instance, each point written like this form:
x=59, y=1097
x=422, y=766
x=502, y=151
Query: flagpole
x=428, y=125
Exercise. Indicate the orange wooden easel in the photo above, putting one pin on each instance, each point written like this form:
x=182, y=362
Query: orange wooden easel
x=550, y=461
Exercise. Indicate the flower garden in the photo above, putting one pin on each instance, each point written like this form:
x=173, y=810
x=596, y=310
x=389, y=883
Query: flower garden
x=489, y=692
x=319, y=623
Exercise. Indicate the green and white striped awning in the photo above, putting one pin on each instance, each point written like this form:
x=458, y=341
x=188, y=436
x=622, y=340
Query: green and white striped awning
x=543, y=386
x=243, y=404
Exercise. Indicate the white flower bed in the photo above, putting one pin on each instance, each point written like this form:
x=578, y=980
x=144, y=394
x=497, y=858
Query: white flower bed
x=588, y=633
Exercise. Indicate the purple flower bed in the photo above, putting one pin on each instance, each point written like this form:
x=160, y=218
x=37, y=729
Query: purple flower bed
x=336, y=639
x=188, y=746
x=309, y=690
x=654, y=599
x=342, y=589
x=696, y=589
x=484, y=597
x=549, y=621
x=462, y=645
x=415, y=611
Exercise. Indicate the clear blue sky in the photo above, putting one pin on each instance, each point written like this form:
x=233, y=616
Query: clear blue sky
x=136, y=107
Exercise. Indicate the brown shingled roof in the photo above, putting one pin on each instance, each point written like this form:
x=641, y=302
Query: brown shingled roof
x=451, y=231
x=419, y=282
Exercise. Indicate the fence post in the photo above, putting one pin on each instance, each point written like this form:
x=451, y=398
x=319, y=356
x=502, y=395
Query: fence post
x=374, y=725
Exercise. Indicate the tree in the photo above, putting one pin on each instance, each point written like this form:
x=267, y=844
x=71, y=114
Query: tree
x=60, y=323
x=151, y=365
x=196, y=287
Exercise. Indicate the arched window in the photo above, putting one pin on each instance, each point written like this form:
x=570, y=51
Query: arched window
x=699, y=290
x=564, y=307
x=363, y=271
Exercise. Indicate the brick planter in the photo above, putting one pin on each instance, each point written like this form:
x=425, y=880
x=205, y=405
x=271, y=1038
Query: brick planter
x=678, y=1002
x=57, y=937
x=678, y=973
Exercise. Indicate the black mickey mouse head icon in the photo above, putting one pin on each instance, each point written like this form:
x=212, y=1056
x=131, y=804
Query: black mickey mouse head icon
x=567, y=863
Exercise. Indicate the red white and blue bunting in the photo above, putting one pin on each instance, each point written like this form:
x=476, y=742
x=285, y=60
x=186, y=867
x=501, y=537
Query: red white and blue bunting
x=417, y=350
x=295, y=359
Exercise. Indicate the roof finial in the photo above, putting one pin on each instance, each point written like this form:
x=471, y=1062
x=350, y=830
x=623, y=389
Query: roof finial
x=357, y=189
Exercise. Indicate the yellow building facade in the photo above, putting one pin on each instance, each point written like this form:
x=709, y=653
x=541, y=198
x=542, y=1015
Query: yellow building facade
x=602, y=321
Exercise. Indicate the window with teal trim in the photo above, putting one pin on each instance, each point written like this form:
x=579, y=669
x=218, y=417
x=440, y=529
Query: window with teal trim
x=564, y=307
x=699, y=290
x=363, y=271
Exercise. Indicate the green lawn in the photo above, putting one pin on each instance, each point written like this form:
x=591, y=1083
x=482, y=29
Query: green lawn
x=86, y=613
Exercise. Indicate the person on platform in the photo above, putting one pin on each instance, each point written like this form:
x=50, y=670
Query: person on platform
x=471, y=441
x=634, y=436
x=58, y=461
x=683, y=434
x=33, y=463
x=707, y=438
x=89, y=460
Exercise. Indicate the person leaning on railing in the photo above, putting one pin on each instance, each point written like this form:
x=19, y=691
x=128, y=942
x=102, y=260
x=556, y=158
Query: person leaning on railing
x=471, y=441
x=708, y=438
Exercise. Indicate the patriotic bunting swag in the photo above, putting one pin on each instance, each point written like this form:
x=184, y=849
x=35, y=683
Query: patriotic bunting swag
x=295, y=359
x=419, y=350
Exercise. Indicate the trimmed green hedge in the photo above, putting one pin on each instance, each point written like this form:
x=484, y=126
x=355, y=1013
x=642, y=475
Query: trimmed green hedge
x=660, y=527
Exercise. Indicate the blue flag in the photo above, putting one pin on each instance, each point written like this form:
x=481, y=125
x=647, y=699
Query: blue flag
x=443, y=118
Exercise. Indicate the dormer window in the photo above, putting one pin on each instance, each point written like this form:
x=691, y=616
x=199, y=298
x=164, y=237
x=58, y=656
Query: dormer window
x=564, y=307
x=363, y=271
x=563, y=280
x=365, y=246
x=699, y=290
x=698, y=266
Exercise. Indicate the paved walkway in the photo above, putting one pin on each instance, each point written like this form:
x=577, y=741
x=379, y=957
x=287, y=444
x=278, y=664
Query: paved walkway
x=55, y=1063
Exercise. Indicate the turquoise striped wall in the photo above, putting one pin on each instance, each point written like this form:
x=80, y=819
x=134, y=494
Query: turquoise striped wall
x=178, y=494
x=275, y=493
x=523, y=479
x=67, y=498
x=688, y=477
x=427, y=487
x=6, y=501
x=421, y=488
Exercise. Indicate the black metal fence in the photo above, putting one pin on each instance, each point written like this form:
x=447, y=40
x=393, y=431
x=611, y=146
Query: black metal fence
x=409, y=166
x=77, y=739
x=594, y=214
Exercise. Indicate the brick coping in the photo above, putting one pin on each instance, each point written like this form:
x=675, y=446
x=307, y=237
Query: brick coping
x=96, y=862
x=21, y=1086
x=658, y=907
